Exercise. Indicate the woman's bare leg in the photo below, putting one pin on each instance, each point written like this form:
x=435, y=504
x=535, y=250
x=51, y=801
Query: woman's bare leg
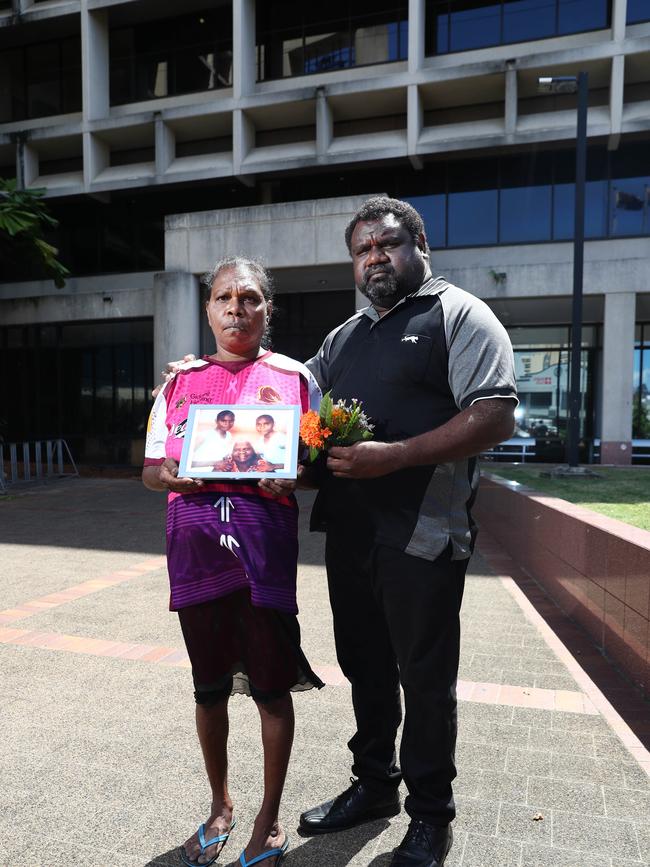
x=212, y=729
x=277, y=738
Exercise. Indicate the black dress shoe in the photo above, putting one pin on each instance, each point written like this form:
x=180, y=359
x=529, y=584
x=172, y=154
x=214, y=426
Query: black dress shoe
x=356, y=805
x=423, y=846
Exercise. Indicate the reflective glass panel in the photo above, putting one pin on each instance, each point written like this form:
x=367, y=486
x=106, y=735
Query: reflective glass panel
x=432, y=211
x=43, y=69
x=525, y=214
x=643, y=422
x=528, y=19
x=638, y=10
x=472, y=218
x=474, y=25
x=630, y=202
x=595, y=210
x=575, y=16
x=12, y=86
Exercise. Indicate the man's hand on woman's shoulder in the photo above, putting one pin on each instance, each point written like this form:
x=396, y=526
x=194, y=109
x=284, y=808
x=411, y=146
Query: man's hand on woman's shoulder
x=170, y=372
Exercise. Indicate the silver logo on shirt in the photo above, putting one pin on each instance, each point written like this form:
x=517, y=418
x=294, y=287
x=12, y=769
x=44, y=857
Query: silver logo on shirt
x=410, y=338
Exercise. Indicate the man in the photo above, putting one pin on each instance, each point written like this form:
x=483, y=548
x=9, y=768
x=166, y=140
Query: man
x=434, y=370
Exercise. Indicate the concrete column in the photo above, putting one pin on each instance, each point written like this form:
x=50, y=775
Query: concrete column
x=511, y=98
x=96, y=157
x=324, y=123
x=619, y=17
x=27, y=169
x=165, y=145
x=243, y=48
x=243, y=139
x=94, y=62
x=618, y=378
x=617, y=83
x=417, y=29
x=176, y=311
x=414, y=124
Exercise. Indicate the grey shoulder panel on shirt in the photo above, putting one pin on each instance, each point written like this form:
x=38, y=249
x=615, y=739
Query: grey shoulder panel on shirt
x=481, y=361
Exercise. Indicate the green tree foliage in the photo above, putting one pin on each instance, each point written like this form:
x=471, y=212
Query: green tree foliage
x=24, y=218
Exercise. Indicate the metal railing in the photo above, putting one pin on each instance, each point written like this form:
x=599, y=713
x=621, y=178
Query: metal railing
x=35, y=460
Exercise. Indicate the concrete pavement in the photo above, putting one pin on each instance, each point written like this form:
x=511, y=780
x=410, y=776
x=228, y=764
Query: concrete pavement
x=99, y=760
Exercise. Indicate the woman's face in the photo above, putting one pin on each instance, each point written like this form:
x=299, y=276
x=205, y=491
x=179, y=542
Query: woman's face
x=243, y=452
x=264, y=426
x=225, y=423
x=237, y=313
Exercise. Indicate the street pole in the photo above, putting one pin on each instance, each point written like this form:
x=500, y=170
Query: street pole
x=575, y=392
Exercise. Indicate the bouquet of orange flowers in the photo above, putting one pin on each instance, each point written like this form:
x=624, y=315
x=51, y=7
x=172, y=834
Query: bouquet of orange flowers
x=335, y=424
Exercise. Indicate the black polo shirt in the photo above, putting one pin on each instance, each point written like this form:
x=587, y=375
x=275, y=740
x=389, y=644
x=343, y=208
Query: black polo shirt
x=432, y=355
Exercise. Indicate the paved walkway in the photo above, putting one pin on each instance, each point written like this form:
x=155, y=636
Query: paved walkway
x=99, y=762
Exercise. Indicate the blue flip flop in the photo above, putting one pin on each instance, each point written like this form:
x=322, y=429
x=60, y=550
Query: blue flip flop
x=278, y=853
x=205, y=844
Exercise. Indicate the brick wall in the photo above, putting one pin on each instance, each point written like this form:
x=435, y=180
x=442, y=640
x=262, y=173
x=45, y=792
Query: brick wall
x=596, y=568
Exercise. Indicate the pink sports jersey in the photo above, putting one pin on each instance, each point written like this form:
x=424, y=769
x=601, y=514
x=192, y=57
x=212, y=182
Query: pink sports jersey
x=213, y=550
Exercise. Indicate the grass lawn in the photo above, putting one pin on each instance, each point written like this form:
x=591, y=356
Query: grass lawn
x=619, y=493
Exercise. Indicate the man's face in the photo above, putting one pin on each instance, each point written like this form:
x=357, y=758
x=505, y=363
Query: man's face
x=225, y=423
x=388, y=263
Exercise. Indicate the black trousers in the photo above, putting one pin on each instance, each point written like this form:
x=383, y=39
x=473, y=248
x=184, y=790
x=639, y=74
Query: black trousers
x=396, y=620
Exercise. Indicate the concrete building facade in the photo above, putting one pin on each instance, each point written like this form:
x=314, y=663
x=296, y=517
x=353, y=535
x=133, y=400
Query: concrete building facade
x=165, y=141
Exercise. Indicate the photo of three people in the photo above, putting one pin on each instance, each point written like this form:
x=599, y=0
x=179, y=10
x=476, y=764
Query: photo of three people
x=229, y=441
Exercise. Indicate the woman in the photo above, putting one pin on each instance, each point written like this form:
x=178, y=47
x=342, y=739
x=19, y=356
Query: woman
x=243, y=459
x=217, y=443
x=237, y=601
x=271, y=444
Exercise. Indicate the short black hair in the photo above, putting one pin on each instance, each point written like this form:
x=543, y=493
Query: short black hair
x=267, y=417
x=224, y=413
x=380, y=206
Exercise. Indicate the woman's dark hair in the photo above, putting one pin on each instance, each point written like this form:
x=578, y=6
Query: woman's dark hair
x=263, y=277
x=258, y=271
x=381, y=206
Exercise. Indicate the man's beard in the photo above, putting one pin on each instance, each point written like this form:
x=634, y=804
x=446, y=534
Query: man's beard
x=384, y=291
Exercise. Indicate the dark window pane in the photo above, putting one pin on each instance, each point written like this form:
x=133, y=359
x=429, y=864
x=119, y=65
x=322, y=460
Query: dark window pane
x=71, y=74
x=638, y=10
x=432, y=211
x=472, y=218
x=122, y=66
x=528, y=19
x=578, y=15
x=630, y=204
x=12, y=86
x=525, y=214
x=474, y=25
x=43, y=65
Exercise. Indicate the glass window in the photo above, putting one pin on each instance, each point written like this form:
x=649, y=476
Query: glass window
x=180, y=55
x=638, y=10
x=525, y=214
x=71, y=74
x=595, y=210
x=474, y=25
x=12, y=86
x=432, y=210
x=630, y=201
x=574, y=16
x=528, y=19
x=297, y=38
x=43, y=69
x=472, y=218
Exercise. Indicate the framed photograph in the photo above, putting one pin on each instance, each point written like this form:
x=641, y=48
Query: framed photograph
x=235, y=442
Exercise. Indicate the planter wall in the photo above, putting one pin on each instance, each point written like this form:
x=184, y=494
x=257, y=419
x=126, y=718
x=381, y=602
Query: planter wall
x=596, y=568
